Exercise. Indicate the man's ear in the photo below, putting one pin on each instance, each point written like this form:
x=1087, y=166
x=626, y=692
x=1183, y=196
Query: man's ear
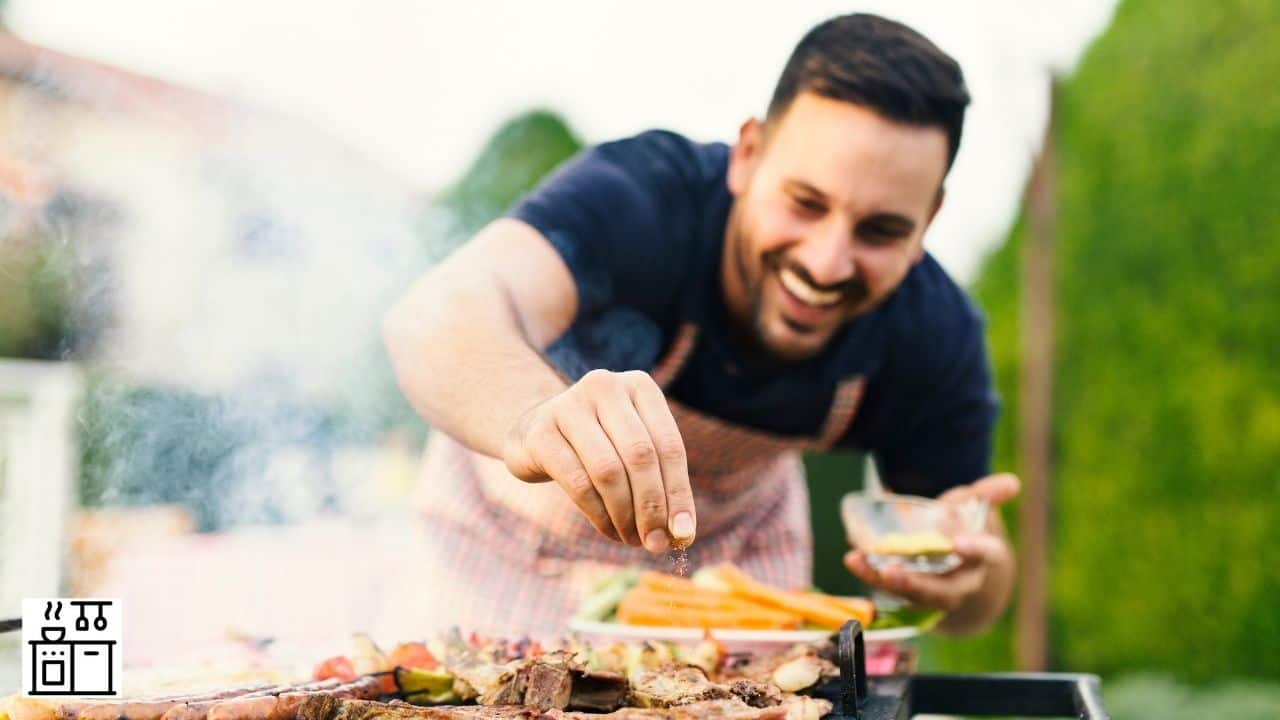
x=744, y=155
x=933, y=212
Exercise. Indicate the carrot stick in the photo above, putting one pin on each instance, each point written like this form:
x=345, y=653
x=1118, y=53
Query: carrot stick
x=721, y=603
x=860, y=609
x=671, y=583
x=667, y=616
x=812, y=610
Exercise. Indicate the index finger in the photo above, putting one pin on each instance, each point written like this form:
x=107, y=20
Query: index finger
x=652, y=407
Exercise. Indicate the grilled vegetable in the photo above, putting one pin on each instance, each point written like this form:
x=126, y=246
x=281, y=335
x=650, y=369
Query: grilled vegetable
x=861, y=609
x=796, y=675
x=367, y=657
x=606, y=595
x=646, y=611
x=338, y=666
x=412, y=655
x=411, y=681
x=807, y=607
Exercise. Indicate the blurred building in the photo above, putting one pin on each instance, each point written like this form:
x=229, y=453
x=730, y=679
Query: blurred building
x=214, y=251
x=222, y=243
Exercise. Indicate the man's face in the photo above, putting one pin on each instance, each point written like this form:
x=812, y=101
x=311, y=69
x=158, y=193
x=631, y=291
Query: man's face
x=831, y=202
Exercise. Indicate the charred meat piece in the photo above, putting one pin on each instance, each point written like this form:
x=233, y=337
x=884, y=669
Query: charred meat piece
x=756, y=694
x=797, y=669
x=325, y=708
x=548, y=685
x=489, y=682
x=598, y=691
x=674, y=685
x=803, y=707
x=507, y=688
x=731, y=709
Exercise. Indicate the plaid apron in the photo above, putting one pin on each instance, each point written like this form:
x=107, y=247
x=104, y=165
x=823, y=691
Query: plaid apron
x=508, y=557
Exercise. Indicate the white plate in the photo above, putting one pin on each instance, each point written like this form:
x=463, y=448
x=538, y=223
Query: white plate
x=734, y=640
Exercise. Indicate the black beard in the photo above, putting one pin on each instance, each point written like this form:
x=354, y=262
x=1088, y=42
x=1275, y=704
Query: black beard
x=748, y=333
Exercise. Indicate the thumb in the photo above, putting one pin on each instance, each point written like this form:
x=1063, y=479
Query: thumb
x=517, y=456
x=995, y=489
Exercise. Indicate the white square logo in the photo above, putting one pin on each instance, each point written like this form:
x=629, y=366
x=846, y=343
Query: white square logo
x=71, y=646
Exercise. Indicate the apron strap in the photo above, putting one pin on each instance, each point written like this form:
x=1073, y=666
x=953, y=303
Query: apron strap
x=844, y=407
x=671, y=364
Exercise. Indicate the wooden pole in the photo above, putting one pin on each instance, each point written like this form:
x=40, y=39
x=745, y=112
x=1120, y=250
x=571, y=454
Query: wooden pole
x=1035, y=408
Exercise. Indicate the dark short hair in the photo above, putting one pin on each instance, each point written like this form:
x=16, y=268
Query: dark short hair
x=881, y=64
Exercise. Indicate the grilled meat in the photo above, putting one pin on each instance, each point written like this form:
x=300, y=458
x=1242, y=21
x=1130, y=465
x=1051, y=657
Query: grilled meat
x=284, y=706
x=598, y=691
x=674, y=685
x=199, y=709
x=328, y=708
x=803, y=707
x=548, y=685
x=319, y=707
x=730, y=709
x=545, y=682
x=148, y=708
x=795, y=670
x=756, y=694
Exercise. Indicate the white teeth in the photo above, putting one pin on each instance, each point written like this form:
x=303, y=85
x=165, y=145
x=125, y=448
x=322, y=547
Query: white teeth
x=807, y=292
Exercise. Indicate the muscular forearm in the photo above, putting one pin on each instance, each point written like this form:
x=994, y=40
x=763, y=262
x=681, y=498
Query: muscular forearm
x=462, y=357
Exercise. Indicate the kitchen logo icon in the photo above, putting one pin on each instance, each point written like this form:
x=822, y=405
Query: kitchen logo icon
x=71, y=646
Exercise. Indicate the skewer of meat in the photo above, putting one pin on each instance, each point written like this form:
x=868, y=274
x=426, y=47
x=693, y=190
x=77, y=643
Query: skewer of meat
x=284, y=706
x=732, y=709
x=148, y=708
x=326, y=708
x=198, y=710
x=257, y=702
x=154, y=709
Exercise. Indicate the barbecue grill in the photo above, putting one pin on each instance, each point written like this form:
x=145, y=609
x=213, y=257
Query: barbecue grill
x=855, y=696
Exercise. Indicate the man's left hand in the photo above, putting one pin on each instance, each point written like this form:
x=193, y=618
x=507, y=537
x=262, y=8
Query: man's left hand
x=975, y=593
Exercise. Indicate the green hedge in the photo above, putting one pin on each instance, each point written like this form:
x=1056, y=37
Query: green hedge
x=1167, y=403
x=516, y=157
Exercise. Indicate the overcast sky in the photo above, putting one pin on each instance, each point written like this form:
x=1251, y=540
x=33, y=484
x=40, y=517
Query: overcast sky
x=419, y=85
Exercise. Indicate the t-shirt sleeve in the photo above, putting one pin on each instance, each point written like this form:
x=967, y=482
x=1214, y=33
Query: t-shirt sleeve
x=943, y=436
x=619, y=215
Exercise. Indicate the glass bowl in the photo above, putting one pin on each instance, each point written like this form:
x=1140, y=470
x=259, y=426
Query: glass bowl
x=911, y=532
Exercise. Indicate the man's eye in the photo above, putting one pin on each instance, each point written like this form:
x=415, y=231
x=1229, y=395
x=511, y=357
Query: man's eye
x=808, y=205
x=879, y=235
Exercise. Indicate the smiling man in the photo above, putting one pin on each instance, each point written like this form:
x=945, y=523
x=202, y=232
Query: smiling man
x=638, y=353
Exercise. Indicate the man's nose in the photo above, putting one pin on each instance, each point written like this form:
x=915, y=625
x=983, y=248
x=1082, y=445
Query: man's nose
x=828, y=254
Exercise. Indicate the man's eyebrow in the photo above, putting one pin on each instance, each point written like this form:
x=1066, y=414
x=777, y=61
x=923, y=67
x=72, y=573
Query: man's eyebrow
x=802, y=186
x=890, y=221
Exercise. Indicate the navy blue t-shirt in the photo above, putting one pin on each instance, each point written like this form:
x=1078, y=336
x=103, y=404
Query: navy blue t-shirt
x=640, y=223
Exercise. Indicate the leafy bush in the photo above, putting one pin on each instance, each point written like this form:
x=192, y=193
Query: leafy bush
x=1166, y=409
x=519, y=154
